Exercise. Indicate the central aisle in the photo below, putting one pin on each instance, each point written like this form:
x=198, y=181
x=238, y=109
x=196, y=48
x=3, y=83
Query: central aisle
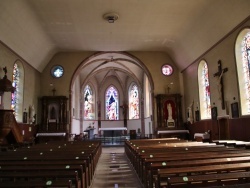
x=114, y=170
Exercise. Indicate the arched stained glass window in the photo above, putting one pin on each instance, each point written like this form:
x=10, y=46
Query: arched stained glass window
x=204, y=91
x=242, y=53
x=15, y=84
x=17, y=96
x=112, y=104
x=89, y=107
x=134, y=102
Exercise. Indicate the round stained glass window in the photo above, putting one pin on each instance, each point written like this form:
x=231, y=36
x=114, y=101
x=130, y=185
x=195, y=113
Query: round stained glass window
x=167, y=70
x=57, y=71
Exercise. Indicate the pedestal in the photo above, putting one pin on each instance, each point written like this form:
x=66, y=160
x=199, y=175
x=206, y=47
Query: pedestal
x=170, y=123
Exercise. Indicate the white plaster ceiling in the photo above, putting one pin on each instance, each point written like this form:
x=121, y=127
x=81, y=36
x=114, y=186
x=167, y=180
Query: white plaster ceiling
x=185, y=29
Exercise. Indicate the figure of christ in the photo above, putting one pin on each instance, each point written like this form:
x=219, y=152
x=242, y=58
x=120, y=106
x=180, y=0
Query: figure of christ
x=219, y=76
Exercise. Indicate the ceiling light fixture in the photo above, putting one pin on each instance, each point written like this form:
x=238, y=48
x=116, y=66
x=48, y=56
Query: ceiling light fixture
x=111, y=17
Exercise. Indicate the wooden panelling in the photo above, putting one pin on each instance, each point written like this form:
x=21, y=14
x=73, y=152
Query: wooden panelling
x=239, y=129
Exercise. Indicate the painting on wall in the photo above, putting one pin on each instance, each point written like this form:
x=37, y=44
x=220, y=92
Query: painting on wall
x=197, y=115
x=235, y=110
x=214, y=113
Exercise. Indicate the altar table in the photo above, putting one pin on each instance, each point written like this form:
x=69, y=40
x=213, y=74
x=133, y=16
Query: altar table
x=183, y=134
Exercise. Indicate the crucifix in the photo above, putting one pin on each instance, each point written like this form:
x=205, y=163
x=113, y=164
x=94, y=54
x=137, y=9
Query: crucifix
x=219, y=75
x=53, y=91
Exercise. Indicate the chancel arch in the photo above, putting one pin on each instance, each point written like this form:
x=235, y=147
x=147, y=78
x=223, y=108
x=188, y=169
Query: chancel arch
x=116, y=72
x=204, y=90
x=242, y=54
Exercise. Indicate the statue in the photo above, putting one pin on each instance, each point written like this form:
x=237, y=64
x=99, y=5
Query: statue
x=190, y=113
x=32, y=115
x=170, y=121
x=169, y=107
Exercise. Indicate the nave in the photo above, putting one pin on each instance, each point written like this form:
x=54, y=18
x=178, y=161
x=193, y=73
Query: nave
x=139, y=163
x=114, y=170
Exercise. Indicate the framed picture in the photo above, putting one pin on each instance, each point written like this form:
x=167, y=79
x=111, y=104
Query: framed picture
x=197, y=115
x=214, y=113
x=235, y=110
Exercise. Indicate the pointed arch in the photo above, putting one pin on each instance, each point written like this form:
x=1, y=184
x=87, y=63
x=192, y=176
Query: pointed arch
x=89, y=101
x=242, y=54
x=204, y=90
x=17, y=96
x=133, y=96
x=112, y=103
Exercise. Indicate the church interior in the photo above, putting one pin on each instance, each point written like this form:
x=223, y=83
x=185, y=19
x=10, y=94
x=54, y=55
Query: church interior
x=124, y=81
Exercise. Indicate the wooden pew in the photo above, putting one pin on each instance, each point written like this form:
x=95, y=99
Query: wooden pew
x=152, y=169
x=47, y=168
x=37, y=184
x=184, y=153
x=205, y=180
x=164, y=174
x=55, y=153
x=48, y=175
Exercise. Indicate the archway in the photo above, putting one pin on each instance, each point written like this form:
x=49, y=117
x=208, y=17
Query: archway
x=101, y=70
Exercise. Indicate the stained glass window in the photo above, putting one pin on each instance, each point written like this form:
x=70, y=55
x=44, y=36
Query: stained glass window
x=134, y=102
x=15, y=84
x=89, y=107
x=204, y=91
x=112, y=104
x=242, y=50
x=246, y=66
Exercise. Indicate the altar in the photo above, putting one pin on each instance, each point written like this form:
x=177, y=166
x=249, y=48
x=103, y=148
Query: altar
x=183, y=134
x=113, y=131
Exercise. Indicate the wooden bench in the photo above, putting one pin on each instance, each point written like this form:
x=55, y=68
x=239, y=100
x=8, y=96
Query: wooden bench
x=164, y=174
x=151, y=170
x=151, y=165
x=40, y=168
x=152, y=160
x=37, y=183
x=205, y=180
x=58, y=157
x=41, y=175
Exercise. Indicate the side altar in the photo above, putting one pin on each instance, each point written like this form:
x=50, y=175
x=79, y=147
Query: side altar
x=169, y=117
x=169, y=111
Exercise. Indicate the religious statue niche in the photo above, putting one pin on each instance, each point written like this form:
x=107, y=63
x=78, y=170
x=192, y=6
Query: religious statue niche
x=169, y=111
x=54, y=114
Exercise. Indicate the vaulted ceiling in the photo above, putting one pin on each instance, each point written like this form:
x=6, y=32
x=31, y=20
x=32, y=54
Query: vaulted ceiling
x=185, y=29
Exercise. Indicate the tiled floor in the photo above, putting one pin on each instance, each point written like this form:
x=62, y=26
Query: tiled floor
x=114, y=170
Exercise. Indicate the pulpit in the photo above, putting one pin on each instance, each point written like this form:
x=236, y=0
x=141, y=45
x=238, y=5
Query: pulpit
x=90, y=132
